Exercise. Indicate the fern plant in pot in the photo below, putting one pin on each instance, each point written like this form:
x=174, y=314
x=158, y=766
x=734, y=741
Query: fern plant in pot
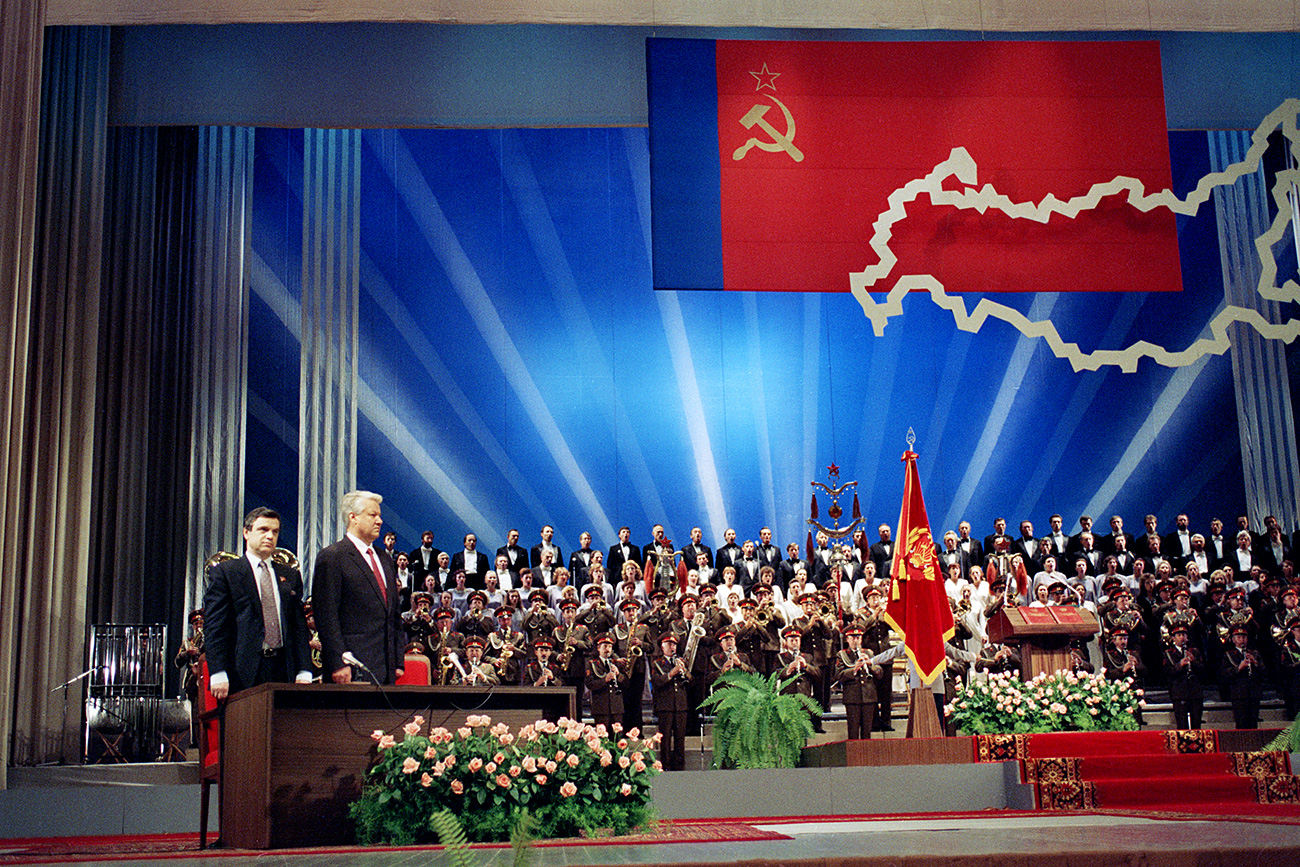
x=756, y=724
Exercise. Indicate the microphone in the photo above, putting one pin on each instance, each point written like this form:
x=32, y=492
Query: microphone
x=353, y=661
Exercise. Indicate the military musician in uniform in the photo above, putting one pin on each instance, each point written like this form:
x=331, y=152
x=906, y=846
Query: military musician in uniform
x=856, y=676
x=606, y=676
x=669, y=679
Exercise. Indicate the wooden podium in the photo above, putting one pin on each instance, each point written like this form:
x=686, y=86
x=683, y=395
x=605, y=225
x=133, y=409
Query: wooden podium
x=1044, y=635
x=294, y=756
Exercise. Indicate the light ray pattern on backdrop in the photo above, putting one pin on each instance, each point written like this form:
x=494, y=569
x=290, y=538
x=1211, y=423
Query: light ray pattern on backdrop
x=516, y=368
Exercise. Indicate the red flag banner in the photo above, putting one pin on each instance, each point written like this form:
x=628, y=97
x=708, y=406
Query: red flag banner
x=772, y=163
x=918, y=608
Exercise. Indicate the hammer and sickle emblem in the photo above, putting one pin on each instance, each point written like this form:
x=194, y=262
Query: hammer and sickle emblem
x=779, y=141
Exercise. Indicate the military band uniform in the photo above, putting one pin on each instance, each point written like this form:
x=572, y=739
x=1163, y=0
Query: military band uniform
x=858, y=686
x=670, y=706
x=606, y=692
x=1184, y=669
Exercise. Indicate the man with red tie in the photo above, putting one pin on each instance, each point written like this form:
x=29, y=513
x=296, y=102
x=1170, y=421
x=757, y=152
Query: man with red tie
x=355, y=598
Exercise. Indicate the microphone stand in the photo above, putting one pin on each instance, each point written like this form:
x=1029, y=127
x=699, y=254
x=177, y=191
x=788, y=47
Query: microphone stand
x=65, y=686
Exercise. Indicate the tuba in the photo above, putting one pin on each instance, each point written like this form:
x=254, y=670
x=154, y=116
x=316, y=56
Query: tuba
x=693, y=639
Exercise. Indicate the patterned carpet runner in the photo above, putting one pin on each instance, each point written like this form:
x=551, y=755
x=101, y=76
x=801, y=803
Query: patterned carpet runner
x=1164, y=771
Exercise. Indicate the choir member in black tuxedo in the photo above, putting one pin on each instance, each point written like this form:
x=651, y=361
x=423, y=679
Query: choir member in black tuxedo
x=622, y=552
x=1027, y=546
x=692, y=551
x=1076, y=541
x=729, y=552
x=1057, y=542
x=882, y=552
x=473, y=562
x=970, y=546
x=424, y=559
x=1141, y=545
x=768, y=554
x=516, y=555
x=581, y=559
x=1178, y=542
x=791, y=564
x=953, y=555
x=354, y=594
x=1106, y=544
x=547, y=544
x=252, y=622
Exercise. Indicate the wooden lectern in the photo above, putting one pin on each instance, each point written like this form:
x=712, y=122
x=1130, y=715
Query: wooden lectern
x=295, y=755
x=1044, y=635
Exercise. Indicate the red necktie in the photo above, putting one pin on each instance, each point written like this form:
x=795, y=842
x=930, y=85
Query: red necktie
x=379, y=577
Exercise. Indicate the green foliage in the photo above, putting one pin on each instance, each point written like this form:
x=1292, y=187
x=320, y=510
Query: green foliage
x=522, y=836
x=1062, y=701
x=758, y=726
x=1287, y=740
x=548, y=780
x=452, y=836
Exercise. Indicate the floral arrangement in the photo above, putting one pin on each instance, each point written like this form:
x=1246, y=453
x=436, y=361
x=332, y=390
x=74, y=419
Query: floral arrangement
x=1061, y=701
x=569, y=777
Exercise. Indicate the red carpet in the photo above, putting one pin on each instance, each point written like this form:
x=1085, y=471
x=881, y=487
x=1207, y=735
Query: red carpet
x=1164, y=772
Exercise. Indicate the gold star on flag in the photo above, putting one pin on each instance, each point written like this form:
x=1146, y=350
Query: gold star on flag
x=765, y=78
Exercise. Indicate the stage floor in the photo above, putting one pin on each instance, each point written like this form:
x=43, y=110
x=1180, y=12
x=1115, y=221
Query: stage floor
x=992, y=838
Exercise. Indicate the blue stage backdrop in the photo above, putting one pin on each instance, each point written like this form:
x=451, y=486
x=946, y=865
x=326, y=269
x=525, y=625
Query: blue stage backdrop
x=517, y=369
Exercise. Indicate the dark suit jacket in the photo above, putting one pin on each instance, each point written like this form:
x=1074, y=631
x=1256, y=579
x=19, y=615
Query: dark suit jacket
x=690, y=552
x=352, y=615
x=417, y=563
x=535, y=556
x=520, y=560
x=614, y=561
x=233, y=629
x=474, y=580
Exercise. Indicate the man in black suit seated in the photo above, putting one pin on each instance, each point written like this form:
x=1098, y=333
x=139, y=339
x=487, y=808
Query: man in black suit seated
x=355, y=598
x=255, y=631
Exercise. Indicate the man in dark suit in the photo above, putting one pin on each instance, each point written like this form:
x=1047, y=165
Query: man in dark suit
x=1027, y=545
x=473, y=562
x=691, y=553
x=882, y=552
x=622, y=552
x=1076, y=541
x=535, y=553
x=1106, y=544
x=255, y=631
x=970, y=546
x=1178, y=544
x=355, y=598
x=728, y=552
x=516, y=555
x=424, y=559
x=768, y=554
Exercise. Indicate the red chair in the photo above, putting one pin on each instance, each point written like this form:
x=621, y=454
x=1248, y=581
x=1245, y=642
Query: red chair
x=210, y=721
x=415, y=669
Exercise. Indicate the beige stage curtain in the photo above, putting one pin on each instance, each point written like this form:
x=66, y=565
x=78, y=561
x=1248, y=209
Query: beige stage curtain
x=21, y=31
x=47, y=548
x=223, y=219
x=331, y=244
